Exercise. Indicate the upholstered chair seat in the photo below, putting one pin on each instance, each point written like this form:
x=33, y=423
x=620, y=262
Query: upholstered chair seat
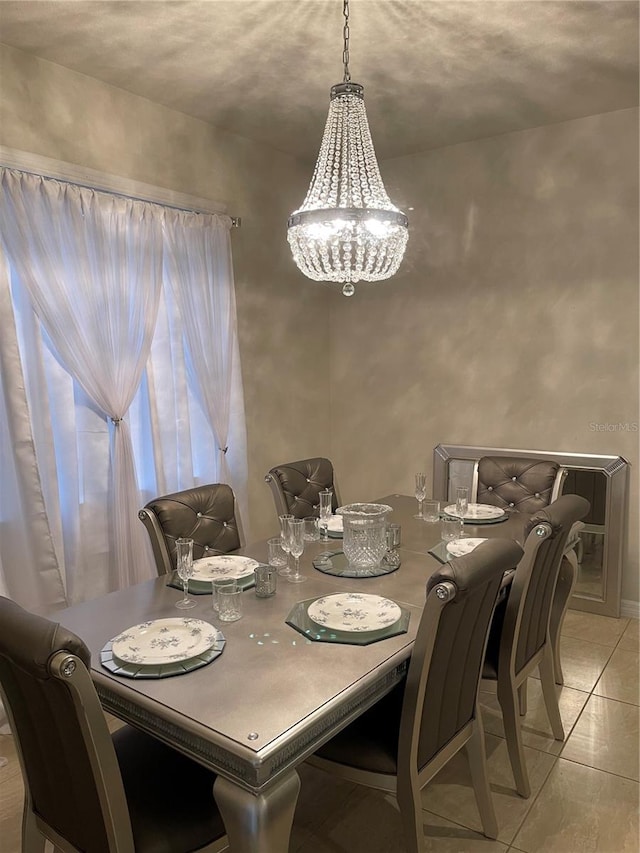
x=296, y=486
x=205, y=514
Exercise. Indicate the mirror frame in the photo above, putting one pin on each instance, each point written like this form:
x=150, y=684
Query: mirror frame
x=615, y=469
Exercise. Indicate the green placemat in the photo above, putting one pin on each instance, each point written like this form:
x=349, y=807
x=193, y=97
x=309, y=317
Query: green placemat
x=335, y=563
x=440, y=552
x=299, y=619
x=197, y=587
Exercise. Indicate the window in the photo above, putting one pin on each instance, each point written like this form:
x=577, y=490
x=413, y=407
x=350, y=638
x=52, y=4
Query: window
x=60, y=443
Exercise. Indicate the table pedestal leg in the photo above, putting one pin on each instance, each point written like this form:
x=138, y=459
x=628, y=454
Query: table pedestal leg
x=258, y=823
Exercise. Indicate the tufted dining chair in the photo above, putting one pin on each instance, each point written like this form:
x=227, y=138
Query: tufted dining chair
x=205, y=514
x=296, y=485
x=519, y=639
x=516, y=483
x=521, y=484
x=86, y=789
x=400, y=743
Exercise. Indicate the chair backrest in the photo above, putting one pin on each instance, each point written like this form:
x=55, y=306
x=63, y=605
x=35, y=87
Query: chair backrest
x=205, y=514
x=527, y=611
x=71, y=773
x=296, y=486
x=519, y=483
x=444, y=673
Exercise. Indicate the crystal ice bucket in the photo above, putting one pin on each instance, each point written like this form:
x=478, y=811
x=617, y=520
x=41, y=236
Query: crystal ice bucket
x=364, y=535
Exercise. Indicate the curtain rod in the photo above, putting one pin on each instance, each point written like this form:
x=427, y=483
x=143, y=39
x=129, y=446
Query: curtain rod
x=70, y=173
x=235, y=220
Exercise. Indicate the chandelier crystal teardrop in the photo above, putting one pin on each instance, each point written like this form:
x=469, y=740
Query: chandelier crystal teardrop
x=347, y=230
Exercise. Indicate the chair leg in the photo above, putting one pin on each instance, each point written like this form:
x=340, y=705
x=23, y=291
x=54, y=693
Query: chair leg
x=522, y=698
x=564, y=589
x=508, y=698
x=33, y=841
x=477, y=757
x=410, y=806
x=547, y=679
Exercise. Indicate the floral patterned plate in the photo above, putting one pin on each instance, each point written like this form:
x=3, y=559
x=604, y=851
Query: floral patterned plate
x=163, y=641
x=477, y=512
x=354, y=611
x=223, y=566
x=460, y=547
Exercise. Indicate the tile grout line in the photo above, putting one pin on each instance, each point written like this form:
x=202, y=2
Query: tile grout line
x=615, y=648
x=557, y=757
x=599, y=769
x=535, y=799
x=591, y=695
x=611, y=699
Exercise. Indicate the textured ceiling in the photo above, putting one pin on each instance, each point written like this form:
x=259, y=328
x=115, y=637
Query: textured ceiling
x=435, y=73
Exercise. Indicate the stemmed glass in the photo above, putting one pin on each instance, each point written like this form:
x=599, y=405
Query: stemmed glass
x=421, y=493
x=184, y=562
x=296, y=547
x=326, y=507
x=285, y=571
x=462, y=501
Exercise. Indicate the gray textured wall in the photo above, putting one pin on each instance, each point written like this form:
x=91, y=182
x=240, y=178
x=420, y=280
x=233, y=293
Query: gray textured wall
x=514, y=319
x=283, y=320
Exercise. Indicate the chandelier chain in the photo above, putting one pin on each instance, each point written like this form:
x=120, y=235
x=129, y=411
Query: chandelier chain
x=345, y=36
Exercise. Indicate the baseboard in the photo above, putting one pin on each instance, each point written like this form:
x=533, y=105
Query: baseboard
x=630, y=609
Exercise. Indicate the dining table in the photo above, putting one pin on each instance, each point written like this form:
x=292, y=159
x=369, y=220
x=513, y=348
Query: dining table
x=276, y=692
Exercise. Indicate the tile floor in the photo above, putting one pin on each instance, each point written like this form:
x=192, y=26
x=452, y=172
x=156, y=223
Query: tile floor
x=585, y=791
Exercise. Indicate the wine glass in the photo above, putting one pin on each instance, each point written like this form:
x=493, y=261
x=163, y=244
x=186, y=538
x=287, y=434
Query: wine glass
x=421, y=493
x=296, y=547
x=326, y=508
x=285, y=571
x=462, y=501
x=184, y=562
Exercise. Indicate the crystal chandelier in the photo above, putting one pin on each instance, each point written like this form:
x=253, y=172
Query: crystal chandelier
x=347, y=229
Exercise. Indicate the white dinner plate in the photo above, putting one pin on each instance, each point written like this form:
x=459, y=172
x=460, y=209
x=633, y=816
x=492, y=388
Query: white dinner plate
x=354, y=611
x=460, y=547
x=476, y=512
x=334, y=524
x=223, y=566
x=164, y=640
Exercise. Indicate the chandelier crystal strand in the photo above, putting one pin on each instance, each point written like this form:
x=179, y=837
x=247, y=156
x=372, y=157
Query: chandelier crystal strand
x=347, y=230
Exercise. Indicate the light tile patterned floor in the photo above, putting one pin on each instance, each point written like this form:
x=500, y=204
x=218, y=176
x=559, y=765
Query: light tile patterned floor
x=585, y=791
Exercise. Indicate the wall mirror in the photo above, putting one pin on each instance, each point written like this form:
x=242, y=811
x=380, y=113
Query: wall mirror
x=602, y=480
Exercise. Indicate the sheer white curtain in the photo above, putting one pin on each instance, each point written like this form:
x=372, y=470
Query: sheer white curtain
x=199, y=269
x=26, y=537
x=58, y=446
x=92, y=264
x=199, y=415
